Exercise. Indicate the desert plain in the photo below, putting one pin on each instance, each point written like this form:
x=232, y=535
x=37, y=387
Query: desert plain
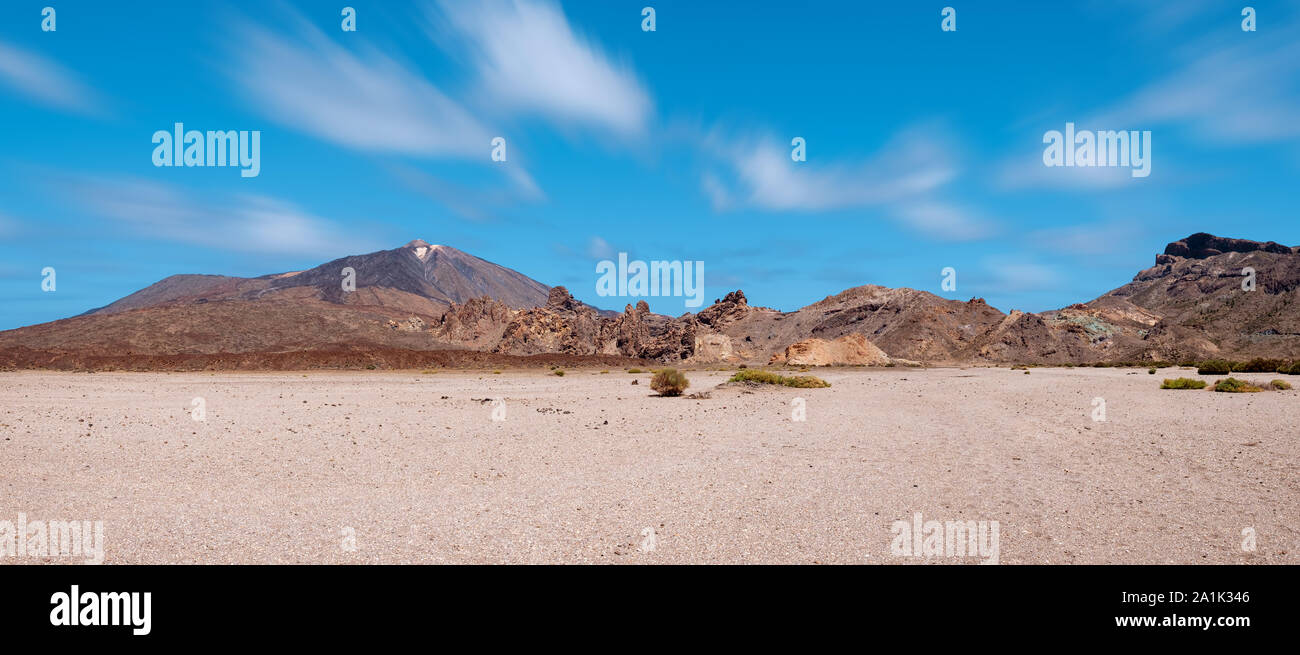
x=524, y=466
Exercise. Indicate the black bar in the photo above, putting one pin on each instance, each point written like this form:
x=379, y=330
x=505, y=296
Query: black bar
x=935, y=604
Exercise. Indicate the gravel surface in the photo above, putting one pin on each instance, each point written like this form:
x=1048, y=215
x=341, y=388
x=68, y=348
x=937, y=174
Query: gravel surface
x=410, y=467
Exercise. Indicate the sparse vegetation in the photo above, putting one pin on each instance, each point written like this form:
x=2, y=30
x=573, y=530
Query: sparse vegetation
x=1233, y=385
x=1257, y=365
x=604, y=372
x=768, y=377
x=669, y=382
x=1151, y=371
x=1214, y=367
x=1280, y=385
x=1182, y=383
x=635, y=370
x=559, y=372
x=496, y=372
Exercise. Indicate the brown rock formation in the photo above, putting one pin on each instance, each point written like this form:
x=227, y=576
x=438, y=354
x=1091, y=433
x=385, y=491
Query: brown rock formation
x=1190, y=305
x=850, y=349
x=477, y=324
x=564, y=326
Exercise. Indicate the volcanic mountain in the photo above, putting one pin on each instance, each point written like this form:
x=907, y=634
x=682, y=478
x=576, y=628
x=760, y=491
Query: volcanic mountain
x=398, y=294
x=430, y=299
x=417, y=277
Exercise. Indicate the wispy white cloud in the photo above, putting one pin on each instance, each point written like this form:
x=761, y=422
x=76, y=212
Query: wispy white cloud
x=8, y=226
x=528, y=58
x=299, y=77
x=1027, y=170
x=524, y=58
x=1018, y=275
x=1089, y=240
x=47, y=82
x=598, y=248
x=242, y=223
x=475, y=202
x=1248, y=92
x=945, y=220
x=902, y=178
x=767, y=177
x=1226, y=89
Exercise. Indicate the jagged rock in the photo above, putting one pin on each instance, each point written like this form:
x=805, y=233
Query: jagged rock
x=850, y=349
x=412, y=324
x=563, y=326
x=478, y=323
x=731, y=308
x=1202, y=245
x=626, y=334
x=560, y=299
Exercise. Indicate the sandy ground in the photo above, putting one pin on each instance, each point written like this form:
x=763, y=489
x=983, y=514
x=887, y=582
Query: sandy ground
x=286, y=467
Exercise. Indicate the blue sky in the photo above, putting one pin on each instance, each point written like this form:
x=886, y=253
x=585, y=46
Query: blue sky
x=924, y=147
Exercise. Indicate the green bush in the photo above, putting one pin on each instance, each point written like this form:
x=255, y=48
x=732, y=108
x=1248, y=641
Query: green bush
x=1257, y=365
x=1151, y=371
x=1182, y=383
x=1214, y=367
x=559, y=372
x=669, y=382
x=1233, y=385
x=1280, y=385
x=635, y=370
x=768, y=377
x=1289, y=369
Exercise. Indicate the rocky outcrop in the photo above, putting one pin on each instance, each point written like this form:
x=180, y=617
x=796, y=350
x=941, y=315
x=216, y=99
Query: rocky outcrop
x=563, y=326
x=477, y=324
x=1194, y=303
x=411, y=324
x=848, y=350
x=626, y=334
x=713, y=349
x=1197, y=303
x=1202, y=245
x=730, y=309
x=567, y=326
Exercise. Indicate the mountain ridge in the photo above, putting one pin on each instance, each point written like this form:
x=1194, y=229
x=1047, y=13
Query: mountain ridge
x=422, y=297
